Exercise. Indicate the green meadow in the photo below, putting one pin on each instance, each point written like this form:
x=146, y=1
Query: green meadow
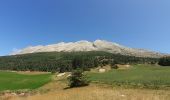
x=15, y=81
x=141, y=76
x=138, y=76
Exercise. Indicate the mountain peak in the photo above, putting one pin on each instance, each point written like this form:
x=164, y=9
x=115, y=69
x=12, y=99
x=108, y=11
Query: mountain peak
x=84, y=45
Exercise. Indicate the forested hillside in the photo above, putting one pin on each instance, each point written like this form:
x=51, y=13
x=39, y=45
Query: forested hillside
x=67, y=61
x=164, y=61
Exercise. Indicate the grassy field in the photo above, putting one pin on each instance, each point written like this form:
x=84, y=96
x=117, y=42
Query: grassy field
x=56, y=91
x=142, y=76
x=15, y=81
x=56, y=88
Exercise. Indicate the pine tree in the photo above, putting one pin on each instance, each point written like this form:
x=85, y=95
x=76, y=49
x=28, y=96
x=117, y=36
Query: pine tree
x=77, y=79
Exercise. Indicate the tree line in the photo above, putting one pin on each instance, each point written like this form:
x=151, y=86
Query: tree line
x=68, y=61
x=164, y=61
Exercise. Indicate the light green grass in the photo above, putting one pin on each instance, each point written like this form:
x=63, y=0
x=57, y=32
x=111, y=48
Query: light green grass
x=15, y=81
x=143, y=76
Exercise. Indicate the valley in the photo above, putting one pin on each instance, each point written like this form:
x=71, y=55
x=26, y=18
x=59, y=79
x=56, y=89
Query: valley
x=107, y=75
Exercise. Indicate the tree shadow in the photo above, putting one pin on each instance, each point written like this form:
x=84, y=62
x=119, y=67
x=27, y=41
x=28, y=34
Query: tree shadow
x=66, y=88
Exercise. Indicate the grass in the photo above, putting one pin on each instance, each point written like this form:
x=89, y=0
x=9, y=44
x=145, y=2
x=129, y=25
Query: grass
x=143, y=76
x=94, y=92
x=56, y=91
x=15, y=81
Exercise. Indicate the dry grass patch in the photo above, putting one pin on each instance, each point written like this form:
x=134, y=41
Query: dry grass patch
x=32, y=72
x=94, y=92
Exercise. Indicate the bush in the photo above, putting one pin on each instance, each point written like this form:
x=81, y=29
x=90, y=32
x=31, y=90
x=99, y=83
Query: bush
x=53, y=72
x=114, y=67
x=77, y=79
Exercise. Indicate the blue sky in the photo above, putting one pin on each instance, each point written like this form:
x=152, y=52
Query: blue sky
x=134, y=23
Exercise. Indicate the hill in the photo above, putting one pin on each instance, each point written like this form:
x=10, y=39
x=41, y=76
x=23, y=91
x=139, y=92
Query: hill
x=67, y=61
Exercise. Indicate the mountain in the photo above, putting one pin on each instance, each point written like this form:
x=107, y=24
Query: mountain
x=98, y=45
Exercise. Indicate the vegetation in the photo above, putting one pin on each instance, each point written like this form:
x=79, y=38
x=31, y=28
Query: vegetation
x=143, y=76
x=77, y=79
x=15, y=81
x=91, y=92
x=165, y=61
x=67, y=61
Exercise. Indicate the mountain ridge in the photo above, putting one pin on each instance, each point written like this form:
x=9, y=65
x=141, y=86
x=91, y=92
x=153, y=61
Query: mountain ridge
x=84, y=45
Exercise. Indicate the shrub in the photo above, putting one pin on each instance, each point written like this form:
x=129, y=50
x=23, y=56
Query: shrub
x=114, y=67
x=77, y=79
x=53, y=72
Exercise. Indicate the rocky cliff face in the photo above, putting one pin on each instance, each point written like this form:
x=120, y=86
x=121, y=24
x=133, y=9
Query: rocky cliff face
x=98, y=45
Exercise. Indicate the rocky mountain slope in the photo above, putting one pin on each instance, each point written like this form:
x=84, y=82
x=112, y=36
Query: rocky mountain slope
x=98, y=45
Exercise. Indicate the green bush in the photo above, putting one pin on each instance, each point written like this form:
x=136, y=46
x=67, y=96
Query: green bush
x=53, y=72
x=114, y=67
x=77, y=79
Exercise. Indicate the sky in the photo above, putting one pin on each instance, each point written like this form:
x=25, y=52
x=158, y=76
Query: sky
x=133, y=23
